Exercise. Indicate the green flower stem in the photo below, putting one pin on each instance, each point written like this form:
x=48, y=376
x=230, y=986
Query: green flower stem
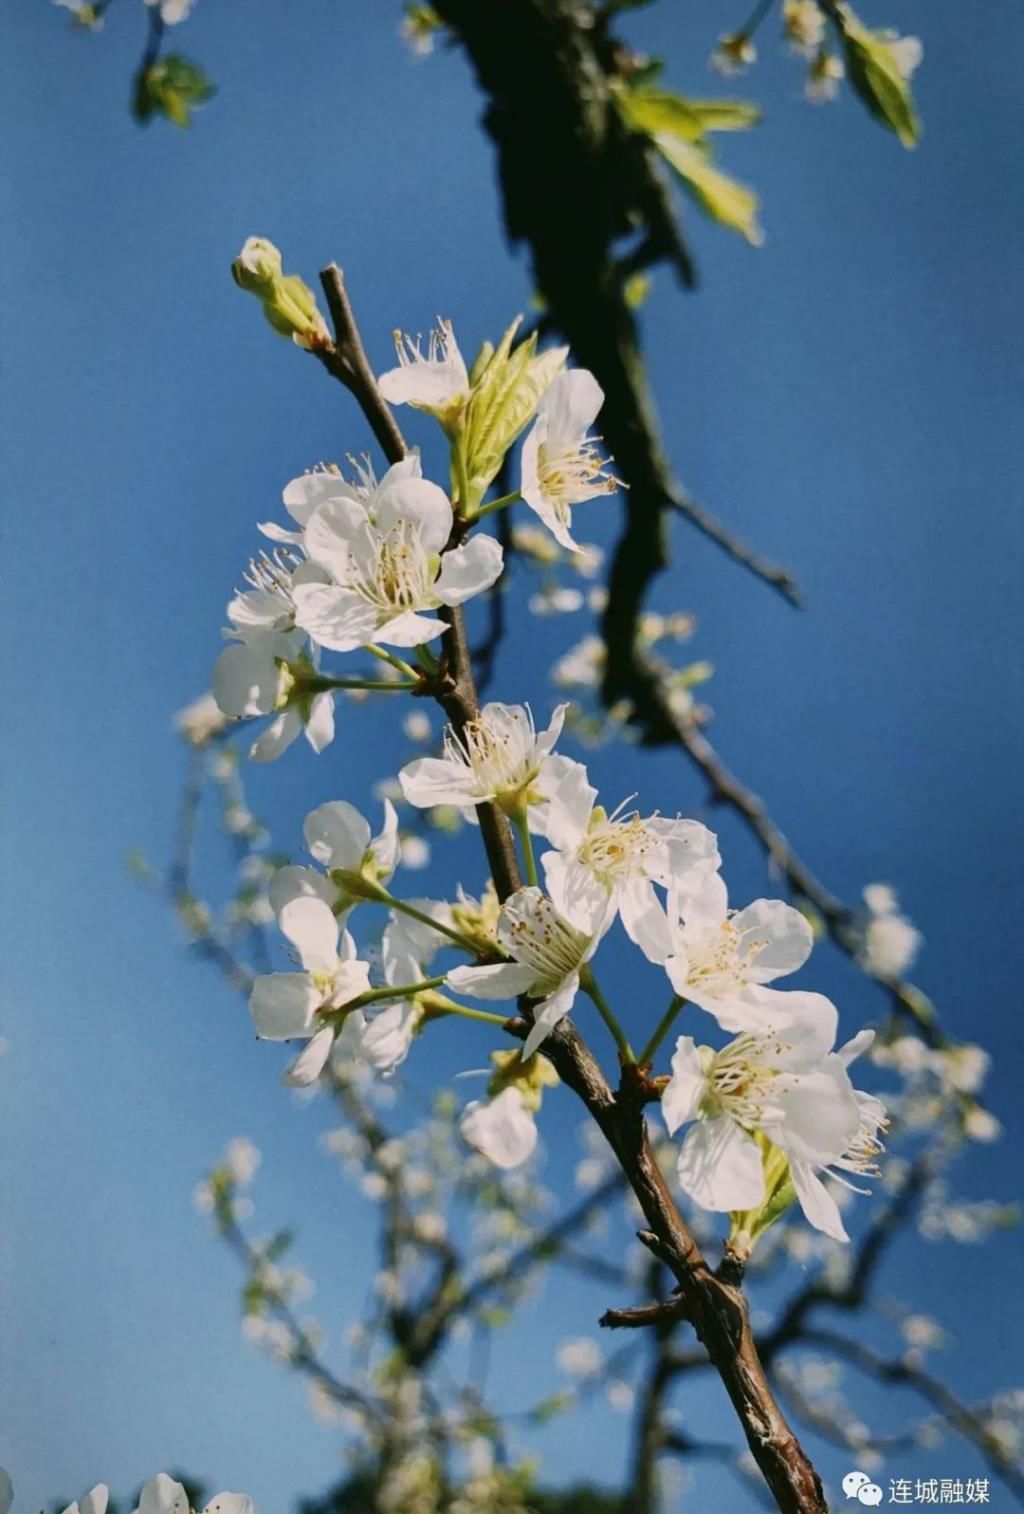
x=589, y=985
x=496, y=504
x=404, y=908
x=382, y=685
x=663, y=1028
x=521, y=821
x=448, y=1007
x=396, y=662
x=394, y=991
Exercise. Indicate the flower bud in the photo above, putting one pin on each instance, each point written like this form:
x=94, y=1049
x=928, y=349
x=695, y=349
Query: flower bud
x=257, y=265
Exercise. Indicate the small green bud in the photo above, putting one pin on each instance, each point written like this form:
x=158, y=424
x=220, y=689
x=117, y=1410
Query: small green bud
x=747, y=1226
x=530, y=1077
x=257, y=265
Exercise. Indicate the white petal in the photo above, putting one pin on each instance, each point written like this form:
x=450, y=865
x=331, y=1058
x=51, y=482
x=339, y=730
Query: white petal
x=312, y=929
x=505, y=980
x=548, y=737
x=539, y=503
x=856, y=1047
x=163, y=1496
x=389, y=1035
x=569, y=794
x=418, y=500
x=570, y=407
x=246, y=680
x=820, y=1113
x=645, y=920
x=709, y=905
x=575, y=892
x=304, y=494
x=330, y=531
x=549, y=1012
x=311, y=1060
x=293, y=882
x=95, y=1501
x=681, y=1098
x=806, y=1020
x=469, y=570
x=408, y=946
x=429, y=781
x=229, y=1503
x=277, y=533
x=815, y=1200
x=782, y=935
x=283, y=1005
x=720, y=1167
x=319, y=728
x=277, y=738
x=409, y=630
x=691, y=854
x=335, y=618
x=385, y=846
x=501, y=1129
x=429, y=386
x=337, y=835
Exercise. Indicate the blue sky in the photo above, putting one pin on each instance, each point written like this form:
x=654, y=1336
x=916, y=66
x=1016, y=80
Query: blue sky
x=845, y=396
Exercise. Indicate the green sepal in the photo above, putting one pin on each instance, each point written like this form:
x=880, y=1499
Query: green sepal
x=748, y=1225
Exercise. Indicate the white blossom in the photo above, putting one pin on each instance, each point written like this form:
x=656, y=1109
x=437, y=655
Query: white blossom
x=890, y=942
x=338, y=836
x=387, y=566
x=618, y=857
x=721, y=959
x=580, y=1358
x=784, y=1083
x=287, y=1006
x=173, y=11
x=803, y=23
x=561, y=466
x=496, y=757
x=437, y=382
x=859, y=1156
x=165, y=1496
x=547, y=955
x=502, y=1129
x=201, y=720
x=94, y=1502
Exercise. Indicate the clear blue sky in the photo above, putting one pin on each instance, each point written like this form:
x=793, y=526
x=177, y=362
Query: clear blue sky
x=845, y=396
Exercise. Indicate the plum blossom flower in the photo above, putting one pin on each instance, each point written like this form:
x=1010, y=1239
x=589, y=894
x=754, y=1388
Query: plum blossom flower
x=172, y=11
x=257, y=677
x=165, y=1496
x=94, y=1502
x=721, y=959
x=502, y=1129
x=734, y=54
x=496, y=757
x=437, y=382
x=784, y=1082
x=598, y=856
x=803, y=24
x=548, y=955
x=339, y=838
x=287, y=1006
x=388, y=567
x=561, y=465
x=859, y=1156
x=890, y=941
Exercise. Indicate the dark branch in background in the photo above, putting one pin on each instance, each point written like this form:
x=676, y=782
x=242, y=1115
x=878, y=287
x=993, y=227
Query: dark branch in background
x=576, y=184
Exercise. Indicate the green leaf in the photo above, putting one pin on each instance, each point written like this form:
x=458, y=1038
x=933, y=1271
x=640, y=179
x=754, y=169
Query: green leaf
x=171, y=87
x=658, y=110
x=873, y=66
x=724, y=199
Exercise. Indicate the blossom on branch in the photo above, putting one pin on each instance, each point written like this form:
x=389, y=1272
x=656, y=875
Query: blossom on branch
x=388, y=569
x=437, y=383
x=783, y=1082
x=561, y=466
x=288, y=1006
x=721, y=959
x=495, y=758
x=619, y=857
x=548, y=955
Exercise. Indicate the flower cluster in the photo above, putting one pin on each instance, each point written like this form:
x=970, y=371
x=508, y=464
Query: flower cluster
x=160, y=1496
x=377, y=565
